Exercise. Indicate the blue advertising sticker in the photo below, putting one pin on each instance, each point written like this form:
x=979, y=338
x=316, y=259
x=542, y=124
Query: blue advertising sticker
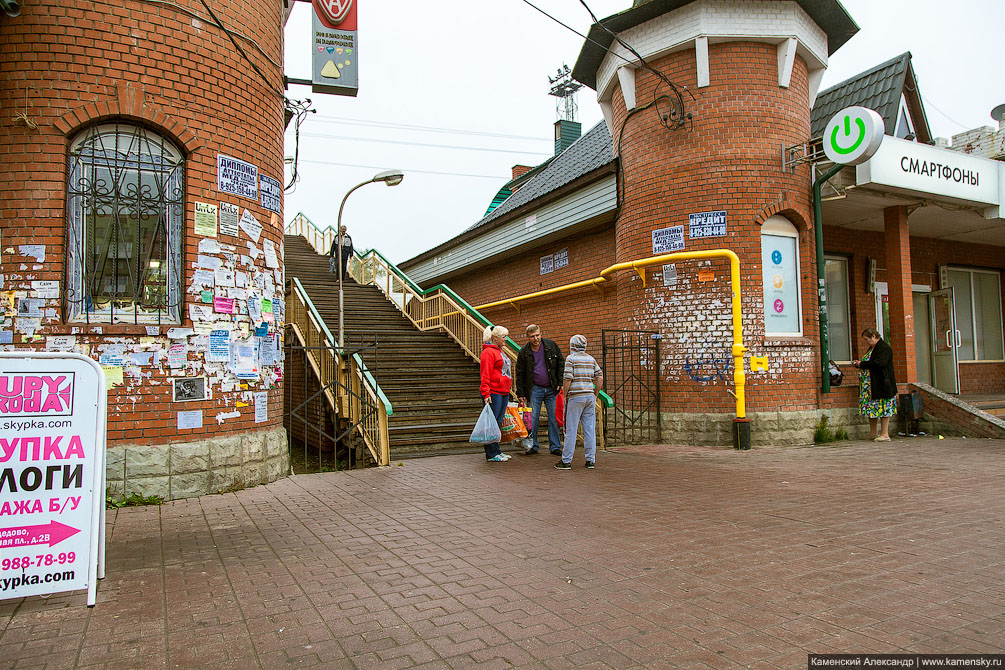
x=271, y=191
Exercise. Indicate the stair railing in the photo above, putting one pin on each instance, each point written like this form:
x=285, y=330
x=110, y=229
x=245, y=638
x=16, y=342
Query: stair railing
x=439, y=308
x=349, y=386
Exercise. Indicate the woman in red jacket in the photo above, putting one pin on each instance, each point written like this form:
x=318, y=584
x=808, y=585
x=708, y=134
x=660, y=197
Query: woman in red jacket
x=496, y=381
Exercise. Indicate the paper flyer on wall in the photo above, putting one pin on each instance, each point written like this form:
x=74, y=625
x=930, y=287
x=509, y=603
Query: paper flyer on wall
x=205, y=219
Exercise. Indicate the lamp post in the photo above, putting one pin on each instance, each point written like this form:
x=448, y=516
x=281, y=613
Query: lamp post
x=389, y=177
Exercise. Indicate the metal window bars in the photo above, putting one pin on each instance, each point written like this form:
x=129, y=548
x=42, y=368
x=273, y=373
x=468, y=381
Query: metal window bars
x=125, y=211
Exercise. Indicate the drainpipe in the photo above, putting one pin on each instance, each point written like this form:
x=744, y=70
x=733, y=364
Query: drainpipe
x=818, y=225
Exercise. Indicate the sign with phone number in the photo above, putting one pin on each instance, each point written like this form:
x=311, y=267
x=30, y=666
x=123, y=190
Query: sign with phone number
x=51, y=473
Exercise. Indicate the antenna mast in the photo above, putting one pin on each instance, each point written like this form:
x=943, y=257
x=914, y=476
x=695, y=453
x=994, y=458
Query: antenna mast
x=564, y=88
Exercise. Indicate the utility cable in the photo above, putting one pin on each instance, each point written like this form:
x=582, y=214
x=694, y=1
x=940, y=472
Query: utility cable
x=196, y=15
x=337, y=120
x=269, y=84
x=679, y=118
x=423, y=144
x=381, y=167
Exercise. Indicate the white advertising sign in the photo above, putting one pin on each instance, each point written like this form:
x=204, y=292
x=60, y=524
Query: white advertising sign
x=667, y=240
x=52, y=473
x=923, y=169
x=236, y=176
x=780, y=269
x=853, y=135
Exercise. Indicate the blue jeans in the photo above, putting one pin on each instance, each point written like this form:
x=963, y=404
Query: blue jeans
x=498, y=402
x=580, y=409
x=549, y=396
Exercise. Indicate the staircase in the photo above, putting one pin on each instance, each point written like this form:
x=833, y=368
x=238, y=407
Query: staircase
x=431, y=382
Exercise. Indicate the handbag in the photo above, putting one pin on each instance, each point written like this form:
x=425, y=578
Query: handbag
x=835, y=372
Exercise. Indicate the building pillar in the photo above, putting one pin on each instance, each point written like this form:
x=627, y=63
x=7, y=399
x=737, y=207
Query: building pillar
x=898, y=278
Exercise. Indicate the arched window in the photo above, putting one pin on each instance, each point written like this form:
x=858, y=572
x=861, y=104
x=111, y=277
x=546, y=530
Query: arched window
x=780, y=272
x=125, y=211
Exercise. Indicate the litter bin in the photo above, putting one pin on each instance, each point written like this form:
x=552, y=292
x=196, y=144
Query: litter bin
x=910, y=412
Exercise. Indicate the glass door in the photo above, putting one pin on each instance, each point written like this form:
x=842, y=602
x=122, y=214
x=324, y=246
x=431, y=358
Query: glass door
x=945, y=341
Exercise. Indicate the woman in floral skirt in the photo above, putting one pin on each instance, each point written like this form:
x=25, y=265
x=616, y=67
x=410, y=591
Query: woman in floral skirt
x=877, y=387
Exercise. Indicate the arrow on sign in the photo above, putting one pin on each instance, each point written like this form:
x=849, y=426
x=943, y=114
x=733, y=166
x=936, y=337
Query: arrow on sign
x=52, y=533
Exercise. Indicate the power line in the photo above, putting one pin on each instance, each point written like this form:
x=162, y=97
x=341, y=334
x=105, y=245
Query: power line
x=432, y=129
x=423, y=144
x=932, y=105
x=381, y=167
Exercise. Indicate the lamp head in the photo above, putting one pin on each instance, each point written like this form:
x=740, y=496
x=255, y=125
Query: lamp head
x=390, y=177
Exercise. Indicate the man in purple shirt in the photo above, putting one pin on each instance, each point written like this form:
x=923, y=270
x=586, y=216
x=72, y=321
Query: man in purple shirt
x=540, y=367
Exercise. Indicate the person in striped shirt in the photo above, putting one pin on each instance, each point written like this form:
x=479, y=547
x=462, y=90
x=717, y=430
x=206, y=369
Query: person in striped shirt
x=581, y=386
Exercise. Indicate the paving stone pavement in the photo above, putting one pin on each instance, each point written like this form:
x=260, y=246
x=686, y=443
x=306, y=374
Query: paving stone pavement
x=662, y=557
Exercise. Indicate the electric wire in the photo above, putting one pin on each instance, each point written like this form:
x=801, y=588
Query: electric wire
x=222, y=27
x=381, y=167
x=300, y=111
x=566, y=26
x=196, y=15
x=424, y=144
x=932, y=105
x=337, y=120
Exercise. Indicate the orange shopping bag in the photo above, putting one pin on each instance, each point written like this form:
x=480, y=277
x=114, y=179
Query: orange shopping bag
x=512, y=425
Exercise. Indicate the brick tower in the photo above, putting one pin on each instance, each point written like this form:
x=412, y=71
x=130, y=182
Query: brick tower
x=700, y=109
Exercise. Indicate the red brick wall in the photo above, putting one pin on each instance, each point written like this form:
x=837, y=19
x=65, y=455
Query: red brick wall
x=158, y=66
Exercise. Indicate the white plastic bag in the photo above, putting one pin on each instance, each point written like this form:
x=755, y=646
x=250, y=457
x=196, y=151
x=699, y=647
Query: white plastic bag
x=486, y=429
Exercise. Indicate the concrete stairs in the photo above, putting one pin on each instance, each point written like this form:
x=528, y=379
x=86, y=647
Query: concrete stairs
x=431, y=382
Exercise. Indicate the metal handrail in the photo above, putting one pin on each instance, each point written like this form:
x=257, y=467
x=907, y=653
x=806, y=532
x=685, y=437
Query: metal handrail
x=348, y=375
x=365, y=269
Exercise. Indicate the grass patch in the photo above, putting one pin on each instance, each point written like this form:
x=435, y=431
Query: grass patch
x=131, y=500
x=823, y=433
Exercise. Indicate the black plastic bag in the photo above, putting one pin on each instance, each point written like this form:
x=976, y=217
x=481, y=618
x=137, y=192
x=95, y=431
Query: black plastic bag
x=836, y=375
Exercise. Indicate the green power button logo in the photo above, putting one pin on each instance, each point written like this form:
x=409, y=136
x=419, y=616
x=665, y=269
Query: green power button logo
x=859, y=125
x=853, y=135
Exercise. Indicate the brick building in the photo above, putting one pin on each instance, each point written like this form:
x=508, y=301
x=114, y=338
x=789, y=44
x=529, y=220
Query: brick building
x=708, y=144
x=140, y=194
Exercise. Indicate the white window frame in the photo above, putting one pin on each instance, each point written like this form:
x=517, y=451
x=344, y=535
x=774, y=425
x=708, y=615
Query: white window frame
x=973, y=311
x=905, y=113
x=779, y=226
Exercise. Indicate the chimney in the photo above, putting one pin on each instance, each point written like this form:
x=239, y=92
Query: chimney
x=520, y=170
x=566, y=132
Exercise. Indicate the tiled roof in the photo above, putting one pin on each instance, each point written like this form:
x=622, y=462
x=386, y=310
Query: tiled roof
x=588, y=153
x=878, y=88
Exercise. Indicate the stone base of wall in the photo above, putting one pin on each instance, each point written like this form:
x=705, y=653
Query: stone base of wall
x=768, y=428
x=187, y=469
x=953, y=416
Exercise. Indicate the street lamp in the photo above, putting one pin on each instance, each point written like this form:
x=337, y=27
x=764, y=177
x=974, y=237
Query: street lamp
x=389, y=177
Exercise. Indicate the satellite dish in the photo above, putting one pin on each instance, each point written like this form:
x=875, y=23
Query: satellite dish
x=998, y=113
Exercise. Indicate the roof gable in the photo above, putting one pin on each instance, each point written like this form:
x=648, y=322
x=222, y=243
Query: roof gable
x=879, y=88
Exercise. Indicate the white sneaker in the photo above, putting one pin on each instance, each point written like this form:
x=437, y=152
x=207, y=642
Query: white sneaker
x=506, y=457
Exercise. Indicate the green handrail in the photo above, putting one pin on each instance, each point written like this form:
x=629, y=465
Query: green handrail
x=332, y=343
x=474, y=313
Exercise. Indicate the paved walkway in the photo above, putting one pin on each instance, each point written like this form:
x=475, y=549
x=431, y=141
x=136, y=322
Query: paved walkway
x=663, y=557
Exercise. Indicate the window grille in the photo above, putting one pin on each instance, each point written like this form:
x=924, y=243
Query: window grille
x=125, y=210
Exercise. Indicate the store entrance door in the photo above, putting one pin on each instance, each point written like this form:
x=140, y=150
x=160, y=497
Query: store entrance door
x=945, y=341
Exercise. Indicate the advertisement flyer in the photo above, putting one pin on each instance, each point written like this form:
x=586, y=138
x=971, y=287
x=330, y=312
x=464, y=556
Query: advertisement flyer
x=52, y=432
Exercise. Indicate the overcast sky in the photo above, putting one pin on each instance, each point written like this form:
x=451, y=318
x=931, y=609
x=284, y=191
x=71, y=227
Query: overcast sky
x=455, y=92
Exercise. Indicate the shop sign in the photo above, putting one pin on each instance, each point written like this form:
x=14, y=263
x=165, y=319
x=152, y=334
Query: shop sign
x=335, y=52
x=52, y=468
x=781, y=285
x=706, y=224
x=236, y=176
x=668, y=240
x=928, y=170
x=853, y=135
